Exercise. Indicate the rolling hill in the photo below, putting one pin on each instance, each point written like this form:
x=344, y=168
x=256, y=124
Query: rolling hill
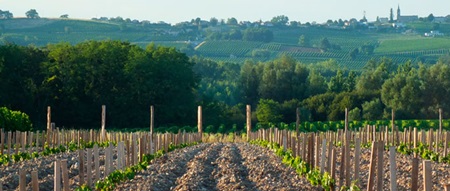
x=399, y=45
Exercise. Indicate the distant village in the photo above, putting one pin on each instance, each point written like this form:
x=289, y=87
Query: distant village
x=397, y=22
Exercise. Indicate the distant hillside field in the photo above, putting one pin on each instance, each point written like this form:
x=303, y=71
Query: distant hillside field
x=418, y=44
x=351, y=48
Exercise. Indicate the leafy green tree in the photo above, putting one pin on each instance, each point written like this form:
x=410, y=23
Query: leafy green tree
x=280, y=20
x=213, y=21
x=325, y=44
x=232, y=21
x=374, y=74
x=430, y=17
x=435, y=88
x=65, y=16
x=353, y=53
x=32, y=14
x=6, y=15
x=304, y=41
x=372, y=110
x=249, y=83
x=319, y=105
x=268, y=111
x=316, y=83
x=294, y=23
x=283, y=79
x=354, y=114
x=402, y=92
x=367, y=49
x=21, y=78
x=350, y=81
x=337, y=83
x=235, y=34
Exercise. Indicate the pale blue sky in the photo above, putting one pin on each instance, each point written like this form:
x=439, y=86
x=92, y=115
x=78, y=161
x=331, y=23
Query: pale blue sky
x=174, y=11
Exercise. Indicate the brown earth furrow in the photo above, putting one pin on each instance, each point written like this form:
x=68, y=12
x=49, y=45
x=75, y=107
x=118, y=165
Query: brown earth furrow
x=200, y=168
x=164, y=171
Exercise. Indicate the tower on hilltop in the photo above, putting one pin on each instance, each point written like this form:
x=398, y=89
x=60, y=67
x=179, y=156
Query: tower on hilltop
x=398, y=12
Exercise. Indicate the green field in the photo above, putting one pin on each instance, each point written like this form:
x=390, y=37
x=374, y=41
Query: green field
x=417, y=44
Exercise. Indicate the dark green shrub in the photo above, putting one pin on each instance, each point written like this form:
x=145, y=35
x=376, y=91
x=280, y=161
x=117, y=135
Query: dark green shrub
x=14, y=120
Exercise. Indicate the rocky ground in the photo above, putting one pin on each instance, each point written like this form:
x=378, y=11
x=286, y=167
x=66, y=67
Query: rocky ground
x=218, y=166
x=221, y=166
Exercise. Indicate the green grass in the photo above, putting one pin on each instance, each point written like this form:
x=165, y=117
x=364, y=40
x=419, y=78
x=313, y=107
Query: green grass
x=420, y=43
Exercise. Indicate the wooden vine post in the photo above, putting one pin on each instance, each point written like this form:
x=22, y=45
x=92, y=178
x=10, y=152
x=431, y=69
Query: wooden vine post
x=49, y=123
x=347, y=151
x=427, y=184
x=249, y=121
x=440, y=130
x=357, y=158
x=199, y=121
x=393, y=168
x=57, y=176
x=103, y=131
x=373, y=155
x=34, y=180
x=380, y=163
x=22, y=180
x=152, y=119
x=414, y=174
x=65, y=175
x=297, y=121
x=81, y=166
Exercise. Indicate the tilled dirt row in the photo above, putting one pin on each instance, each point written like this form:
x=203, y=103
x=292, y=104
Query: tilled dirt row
x=218, y=166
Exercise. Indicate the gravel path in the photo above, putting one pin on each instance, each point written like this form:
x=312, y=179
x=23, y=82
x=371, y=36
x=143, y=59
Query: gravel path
x=218, y=166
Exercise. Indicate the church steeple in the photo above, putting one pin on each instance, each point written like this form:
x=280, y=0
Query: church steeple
x=398, y=12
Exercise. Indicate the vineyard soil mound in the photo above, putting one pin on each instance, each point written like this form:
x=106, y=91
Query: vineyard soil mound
x=218, y=166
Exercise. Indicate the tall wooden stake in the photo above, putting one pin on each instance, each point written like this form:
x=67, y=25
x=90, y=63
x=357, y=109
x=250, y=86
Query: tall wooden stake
x=427, y=184
x=49, y=118
x=373, y=155
x=393, y=168
x=22, y=180
x=297, y=121
x=357, y=157
x=103, y=131
x=249, y=121
x=347, y=150
x=440, y=121
x=380, y=163
x=57, y=176
x=199, y=121
x=152, y=119
x=414, y=174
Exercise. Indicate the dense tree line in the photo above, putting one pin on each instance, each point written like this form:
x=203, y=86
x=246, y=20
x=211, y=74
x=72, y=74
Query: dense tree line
x=77, y=79
x=323, y=90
